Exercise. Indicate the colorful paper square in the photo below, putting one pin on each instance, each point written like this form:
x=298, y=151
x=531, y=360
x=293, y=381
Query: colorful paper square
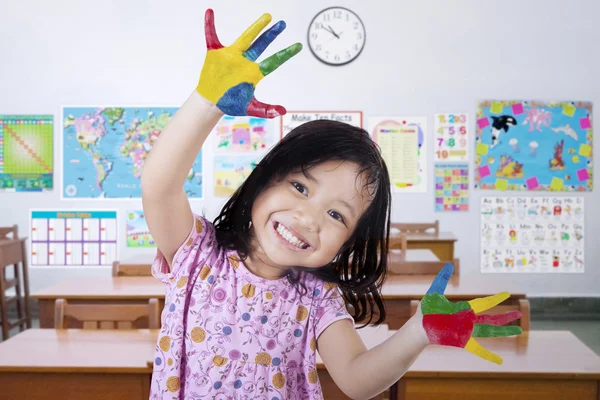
x=556, y=184
x=585, y=150
x=496, y=108
x=532, y=183
x=569, y=110
x=481, y=149
x=585, y=123
x=483, y=122
x=501, y=184
x=484, y=171
x=583, y=175
x=517, y=109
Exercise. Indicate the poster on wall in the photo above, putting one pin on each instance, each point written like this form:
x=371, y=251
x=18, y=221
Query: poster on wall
x=404, y=148
x=138, y=234
x=534, y=146
x=293, y=119
x=244, y=134
x=26, y=153
x=104, y=149
x=451, y=187
x=231, y=171
x=451, y=138
x=80, y=238
x=532, y=234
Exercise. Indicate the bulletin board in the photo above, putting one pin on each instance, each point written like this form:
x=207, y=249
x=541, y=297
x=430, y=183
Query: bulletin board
x=534, y=146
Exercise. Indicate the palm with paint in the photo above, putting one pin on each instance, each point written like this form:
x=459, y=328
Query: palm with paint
x=230, y=75
x=458, y=324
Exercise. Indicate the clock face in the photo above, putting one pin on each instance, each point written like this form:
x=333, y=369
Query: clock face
x=336, y=36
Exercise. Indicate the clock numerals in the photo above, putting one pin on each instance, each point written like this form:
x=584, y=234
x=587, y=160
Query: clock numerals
x=336, y=36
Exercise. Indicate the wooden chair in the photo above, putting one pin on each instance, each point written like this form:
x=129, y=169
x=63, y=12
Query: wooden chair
x=12, y=252
x=432, y=228
x=5, y=231
x=107, y=316
x=521, y=305
x=119, y=269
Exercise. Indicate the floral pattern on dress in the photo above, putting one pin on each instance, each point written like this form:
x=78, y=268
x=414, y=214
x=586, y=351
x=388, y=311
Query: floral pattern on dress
x=229, y=334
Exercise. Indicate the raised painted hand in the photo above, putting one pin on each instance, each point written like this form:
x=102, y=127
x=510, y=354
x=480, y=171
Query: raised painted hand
x=230, y=75
x=457, y=324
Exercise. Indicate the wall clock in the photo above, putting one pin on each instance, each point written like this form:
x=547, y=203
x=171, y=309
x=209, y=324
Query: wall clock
x=336, y=36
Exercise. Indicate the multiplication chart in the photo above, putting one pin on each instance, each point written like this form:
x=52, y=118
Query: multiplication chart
x=451, y=187
x=451, y=137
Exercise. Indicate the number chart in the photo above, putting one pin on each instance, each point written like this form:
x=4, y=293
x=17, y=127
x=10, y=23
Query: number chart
x=451, y=187
x=451, y=137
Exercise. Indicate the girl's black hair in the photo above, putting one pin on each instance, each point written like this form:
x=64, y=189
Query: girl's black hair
x=360, y=267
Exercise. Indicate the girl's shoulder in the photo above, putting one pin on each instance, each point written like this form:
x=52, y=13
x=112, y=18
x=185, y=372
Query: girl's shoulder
x=200, y=247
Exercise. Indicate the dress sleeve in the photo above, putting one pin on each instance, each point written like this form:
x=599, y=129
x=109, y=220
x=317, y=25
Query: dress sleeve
x=196, y=248
x=332, y=308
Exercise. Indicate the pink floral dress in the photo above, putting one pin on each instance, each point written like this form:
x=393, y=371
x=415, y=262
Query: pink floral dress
x=228, y=334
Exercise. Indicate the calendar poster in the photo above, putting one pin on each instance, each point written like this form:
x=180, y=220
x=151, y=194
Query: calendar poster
x=451, y=187
x=532, y=234
x=451, y=137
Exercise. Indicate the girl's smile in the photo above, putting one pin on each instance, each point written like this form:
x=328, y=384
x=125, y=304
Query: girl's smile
x=290, y=238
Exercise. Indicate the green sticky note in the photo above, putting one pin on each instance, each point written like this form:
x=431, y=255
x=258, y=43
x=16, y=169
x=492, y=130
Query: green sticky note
x=569, y=110
x=556, y=184
x=501, y=184
x=585, y=150
x=496, y=107
x=481, y=149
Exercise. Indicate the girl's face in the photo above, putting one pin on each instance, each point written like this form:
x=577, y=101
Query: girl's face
x=306, y=218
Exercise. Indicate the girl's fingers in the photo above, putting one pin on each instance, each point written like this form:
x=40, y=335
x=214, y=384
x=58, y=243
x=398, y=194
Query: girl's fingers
x=210, y=33
x=276, y=60
x=259, y=46
x=243, y=42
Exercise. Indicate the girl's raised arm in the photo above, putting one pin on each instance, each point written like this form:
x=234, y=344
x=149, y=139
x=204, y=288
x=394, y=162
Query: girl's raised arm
x=226, y=86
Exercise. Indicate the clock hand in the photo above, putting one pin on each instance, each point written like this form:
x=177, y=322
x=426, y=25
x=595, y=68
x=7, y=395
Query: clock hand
x=331, y=30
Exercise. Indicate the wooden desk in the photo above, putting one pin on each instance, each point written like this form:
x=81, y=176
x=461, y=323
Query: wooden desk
x=441, y=244
x=415, y=255
x=399, y=290
x=537, y=365
x=100, y=290
x=76, y=364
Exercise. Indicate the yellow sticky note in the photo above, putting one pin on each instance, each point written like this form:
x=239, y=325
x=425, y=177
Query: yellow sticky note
x=496, y=107
x=481, y=149
x=501, y=184
x=569, y=110
x=556, y=184
x=585, y=150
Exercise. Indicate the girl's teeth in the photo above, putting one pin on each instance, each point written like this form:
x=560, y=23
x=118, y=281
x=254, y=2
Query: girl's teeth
x=289, y=237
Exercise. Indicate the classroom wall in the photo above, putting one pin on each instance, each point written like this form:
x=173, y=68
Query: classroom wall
x=421, y=58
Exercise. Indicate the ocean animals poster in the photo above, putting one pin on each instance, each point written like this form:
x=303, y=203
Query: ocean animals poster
x=293, y=119
x=77, y=238
x=244, y=134
x=532, y=234
x=404, y=148
x=451, y=137
x=231, y=171
x=451, y=187
x=534, y=146
x=138, y=234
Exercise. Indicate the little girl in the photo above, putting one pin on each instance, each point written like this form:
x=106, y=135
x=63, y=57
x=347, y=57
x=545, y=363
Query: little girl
x=252, y=296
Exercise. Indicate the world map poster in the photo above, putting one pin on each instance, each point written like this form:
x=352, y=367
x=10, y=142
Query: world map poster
x=104, y=149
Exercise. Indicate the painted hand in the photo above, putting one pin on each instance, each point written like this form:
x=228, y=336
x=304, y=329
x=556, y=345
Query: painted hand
x=230, y=75
x=457, y=324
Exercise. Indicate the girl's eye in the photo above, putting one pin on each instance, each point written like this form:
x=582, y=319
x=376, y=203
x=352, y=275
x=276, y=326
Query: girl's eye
x=336, y=215
x=299, y=187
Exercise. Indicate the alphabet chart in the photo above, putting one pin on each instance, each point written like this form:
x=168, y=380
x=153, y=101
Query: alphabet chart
x=532, y=234
x=451, y=137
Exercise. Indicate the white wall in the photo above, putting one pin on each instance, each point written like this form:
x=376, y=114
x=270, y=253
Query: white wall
x=421, y=57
